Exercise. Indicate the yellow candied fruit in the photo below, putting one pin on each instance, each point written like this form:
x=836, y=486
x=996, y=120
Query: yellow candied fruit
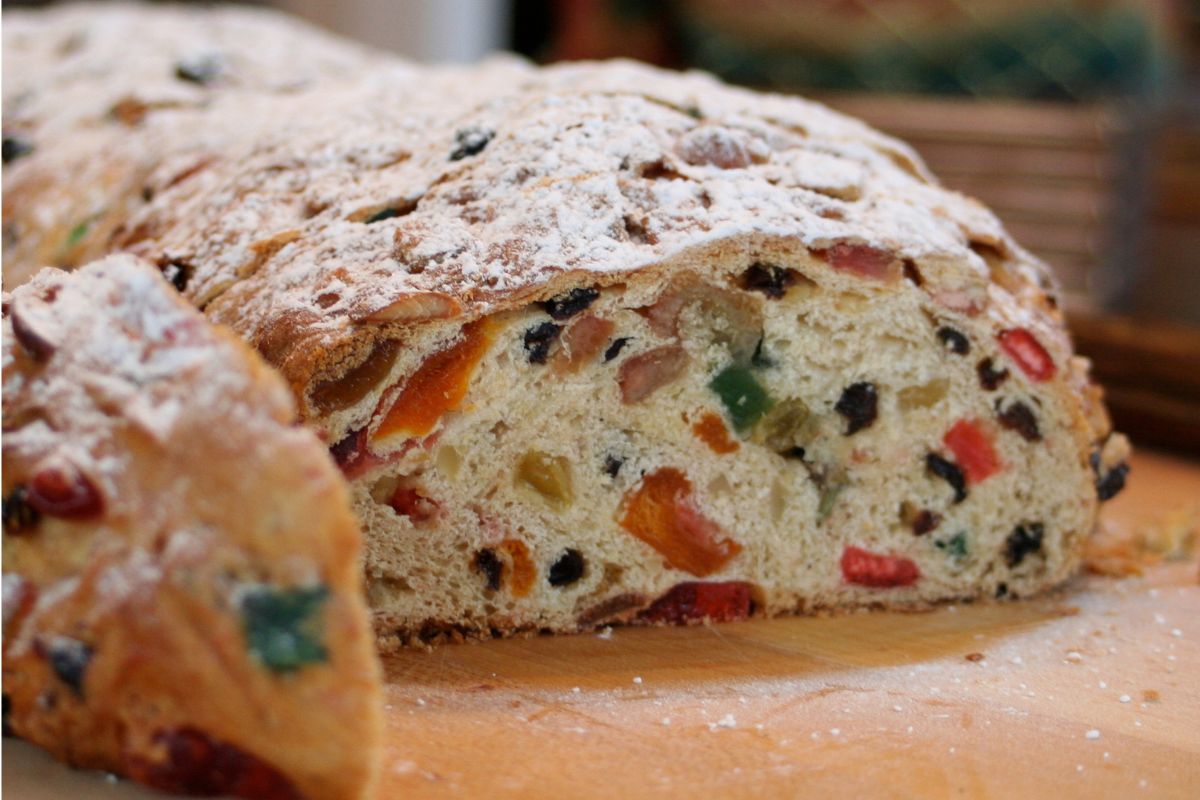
x=549, y=476
x=785, y=426
x=924, y=395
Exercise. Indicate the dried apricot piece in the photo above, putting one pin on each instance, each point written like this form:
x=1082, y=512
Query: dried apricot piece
x=581, y=342
x=522, y=571
x=437, y=386
x=661, y=512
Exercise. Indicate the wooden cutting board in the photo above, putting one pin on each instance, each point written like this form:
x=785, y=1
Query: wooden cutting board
x=1093, y=692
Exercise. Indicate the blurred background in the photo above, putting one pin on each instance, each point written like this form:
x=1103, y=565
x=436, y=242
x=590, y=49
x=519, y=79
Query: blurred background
x=1077, y=121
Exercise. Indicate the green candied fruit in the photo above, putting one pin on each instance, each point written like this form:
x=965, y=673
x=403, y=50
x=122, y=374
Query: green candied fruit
x=744, y=397
x=283, y=626
x=955, y=546
x=76, y=234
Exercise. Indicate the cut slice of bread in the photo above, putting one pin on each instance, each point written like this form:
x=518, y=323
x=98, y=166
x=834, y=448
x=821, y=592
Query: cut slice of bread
x=600, y=342
x=182, y=580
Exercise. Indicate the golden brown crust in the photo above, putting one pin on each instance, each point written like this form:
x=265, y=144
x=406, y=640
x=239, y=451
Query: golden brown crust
x=181, y=577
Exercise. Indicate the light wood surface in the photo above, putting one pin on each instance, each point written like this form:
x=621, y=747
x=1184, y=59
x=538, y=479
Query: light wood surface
x=1090, y=693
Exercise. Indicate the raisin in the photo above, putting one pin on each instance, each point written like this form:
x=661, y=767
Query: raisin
x=177, y=274
x=922, y=521
x=194, y=763
x=62, y=491
x=538, y=341
x=34, y=343
x=744, y=397
x=954, y=341
x=568, y=305
x=69, y=659
x=950, y=473
x=487, y=562
x=567, y=569
x=14, y=147
x=990, y=377
x=283, y=626
x=612, y=465
x=381, y=215
x=7, y=713
x=769, y=279
x=725, y=601
x=1001, y=590
x=858, y=404
x=1019, y=417
x=1024, y=539
x=1108, y=486
x=615, y=348
x=347, y=451
x=198, y=69
x=19, y=515
x=470, y=142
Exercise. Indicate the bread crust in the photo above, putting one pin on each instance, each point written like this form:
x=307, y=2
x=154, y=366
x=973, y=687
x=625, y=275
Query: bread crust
x=168, y=528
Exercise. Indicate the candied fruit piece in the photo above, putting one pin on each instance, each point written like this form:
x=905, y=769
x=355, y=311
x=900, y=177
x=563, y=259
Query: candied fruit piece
x=859, y=405
x=63, y=491
x=725, y=601
x=549, y=476
x=924, y=395
x=193, y=763
x=582, y=340
x=1024, y=540
x=437, y=386
x=711, y=430
x=408, y=502
x=351, y=388
x=973, y=450
x=864, y=568
x=283, y=627
x=863, y=261
x=784, y=427
x=955, y=546
x=567, y=569
x=744, y=397
x=522, y=571
x=642, y=375
x=1028, y=353
x=661, y=512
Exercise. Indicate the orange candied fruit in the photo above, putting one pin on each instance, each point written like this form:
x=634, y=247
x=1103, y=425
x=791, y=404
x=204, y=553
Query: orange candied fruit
x=661, y=512
x=711, y=430
x=523, y=572
x=438, y=385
